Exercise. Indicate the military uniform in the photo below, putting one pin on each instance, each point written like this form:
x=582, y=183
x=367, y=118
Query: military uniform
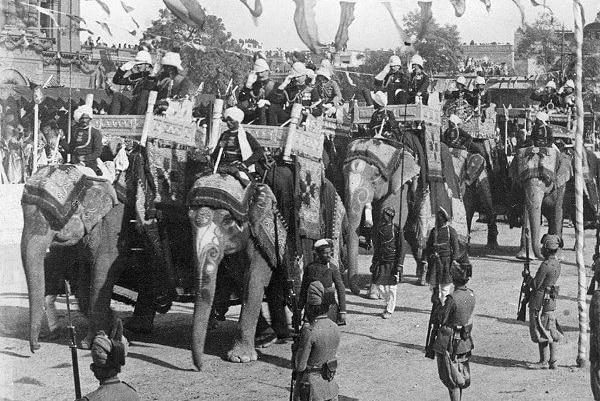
x=282, y=102
x=453, y=344
x=249, y=97
x=329, y=275
x=442, y=248
x=390, y=125
x=545, y=98
x=457, y=138
x=385, y=271
x=541, y=135
x=330, y=92
x=232, y=152
x=543, y=326
x=419, y=83
x=86, y=144
x=396, y=85
x=317, y=345
x=595, y=343
x=112, y=389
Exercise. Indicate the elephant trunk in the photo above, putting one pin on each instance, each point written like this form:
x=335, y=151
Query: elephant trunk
x=208, y=256
x=534, y=197
x=356, y=204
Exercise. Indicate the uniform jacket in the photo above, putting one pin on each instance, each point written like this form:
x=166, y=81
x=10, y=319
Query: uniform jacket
x=178, y=87
x=249, y=97
x=474, y=98
x=396, y=85
x=113, y=390
x=457, y=138
x=546, y=276
x=419, y=83
x=446, y=245
x=541, y=135
x=86, y=142
x=391, y=125
x=304, y=94
x=455, y=322
x=544, y=98
x=330, y=92
x=232, y=151
x=328, y=275
x=318, y=344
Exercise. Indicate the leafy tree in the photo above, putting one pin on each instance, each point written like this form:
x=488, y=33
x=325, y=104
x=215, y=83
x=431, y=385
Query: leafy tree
x=540, y=40
x=210, y=54
x=440, y=45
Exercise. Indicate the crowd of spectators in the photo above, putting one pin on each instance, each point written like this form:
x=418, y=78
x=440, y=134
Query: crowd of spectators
x=484, y=67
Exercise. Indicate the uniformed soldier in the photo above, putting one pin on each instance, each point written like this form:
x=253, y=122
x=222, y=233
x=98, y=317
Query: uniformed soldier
x=315, y=362
x=567, y=95
x=441, y=250
x=393, y=81
x=329, y=91
x=329, y=275
x=419, y=82
x=453, y=343
x=253, y=97
x=456, y=137
x=381, y=115
x=170, y=83
x=541, y=133
x=461, y=91
x=134, y=74
x=595, y=332
x=543, y=326
x=86, y=142
x=108, y=356
x=294, y=89
x=548, y=98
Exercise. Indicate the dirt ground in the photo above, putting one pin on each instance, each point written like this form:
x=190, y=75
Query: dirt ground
x=378, y=359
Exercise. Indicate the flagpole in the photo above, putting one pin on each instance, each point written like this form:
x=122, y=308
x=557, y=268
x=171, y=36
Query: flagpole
x=69, y=115
x=36, y=135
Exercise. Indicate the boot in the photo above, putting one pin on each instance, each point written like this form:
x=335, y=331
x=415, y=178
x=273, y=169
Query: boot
x=373, y=293
x=423, y=276
x=400, y=274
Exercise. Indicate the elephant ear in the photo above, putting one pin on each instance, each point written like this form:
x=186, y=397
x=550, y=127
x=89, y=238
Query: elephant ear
x=565, y=170
x=407, y=170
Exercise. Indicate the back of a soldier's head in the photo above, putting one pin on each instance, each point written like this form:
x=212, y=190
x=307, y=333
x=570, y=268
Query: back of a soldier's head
x=108, y=356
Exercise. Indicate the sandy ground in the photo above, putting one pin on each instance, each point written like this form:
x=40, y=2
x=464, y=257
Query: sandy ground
x=378, y=359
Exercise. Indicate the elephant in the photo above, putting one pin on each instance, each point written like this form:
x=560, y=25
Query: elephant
x=540, y=175
x=375, y=172
x=64, y=208
x=227, y=218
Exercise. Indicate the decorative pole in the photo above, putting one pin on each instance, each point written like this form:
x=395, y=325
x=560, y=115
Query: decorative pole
x=579, y=112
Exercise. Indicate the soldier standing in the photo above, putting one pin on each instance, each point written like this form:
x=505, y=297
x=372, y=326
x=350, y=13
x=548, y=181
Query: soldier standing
x=329, y=275
x=329, y=91
x=419, y=82
x=461, y=89
x=453, y=343
x=548, y=96
x=108, y=356
x=132, y=73
x=315, y=362
x=394, y=81
x=479, y=98
x=543, y=326
x=253, y=97
x=86, y=142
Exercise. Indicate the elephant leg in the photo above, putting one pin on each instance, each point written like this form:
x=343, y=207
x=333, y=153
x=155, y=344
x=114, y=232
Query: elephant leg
x=35, y=240
x=258, y=278
x=276, y=301
x=525, y=242
x=103, y=243
x=469, y=202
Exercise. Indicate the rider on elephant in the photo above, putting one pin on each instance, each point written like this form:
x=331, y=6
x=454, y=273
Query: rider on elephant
x=382, y=116
x=253, y=96
x=329, y=91
x=86, y=142
x=237, y=151
x=541, y=133
x=419, y=82
x=479, y=98
x=322, y=270
x=394, y=81
x=548, y=96
x=133, y=73
x=461, y=91
x=456, y=137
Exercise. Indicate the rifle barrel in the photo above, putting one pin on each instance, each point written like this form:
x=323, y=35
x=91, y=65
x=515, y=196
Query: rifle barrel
x=73, y=343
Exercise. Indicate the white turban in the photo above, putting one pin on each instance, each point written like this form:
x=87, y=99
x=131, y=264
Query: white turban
x=81, y=110
x=455, y=119
x=235, y=113
x=380, y=98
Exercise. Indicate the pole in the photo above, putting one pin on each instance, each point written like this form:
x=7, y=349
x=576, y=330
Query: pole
x=36, y=135
x=73, y=344
x=582, y=279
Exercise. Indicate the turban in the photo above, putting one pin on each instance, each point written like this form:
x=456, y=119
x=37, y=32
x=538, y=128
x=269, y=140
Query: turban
x=81, y=110
x=324, y=72
x=325, y=242
x=551, y=242
x=315, y=293
x=460, y=271
x=380, y=98
x=235, y=113
x=543, y=117
x=260, y=65
x=455, y=119
x=107, y=352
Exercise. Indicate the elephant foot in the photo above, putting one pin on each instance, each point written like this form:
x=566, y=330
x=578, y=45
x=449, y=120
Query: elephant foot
x=242, y=353
x=86, y=343
x=492, y=245
x=52, y=335
x=139, y=324
x=354, y=285
x=522, y=255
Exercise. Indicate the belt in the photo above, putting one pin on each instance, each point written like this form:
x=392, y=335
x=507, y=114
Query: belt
x=312, y=369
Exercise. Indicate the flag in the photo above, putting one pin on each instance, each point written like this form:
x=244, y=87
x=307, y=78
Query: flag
x=426, y=16
x=306, y=25
x=133, y=33
x=346, y=18
x=105, y=26
x=44, y=11
x=404, y=39
x=76, y=18
x=127, y=8
x=488, y=4
x=537, y=3
x=86, y=30
x=519, y=4
x=135, y=22
x=104, y=6
x=257, y=10
x=459, y=7
x=188, y=11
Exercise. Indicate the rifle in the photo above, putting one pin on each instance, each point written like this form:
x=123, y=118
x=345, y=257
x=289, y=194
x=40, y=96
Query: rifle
x=525, y=293
x=433, y=326
x=73, y=343
x=292, y=301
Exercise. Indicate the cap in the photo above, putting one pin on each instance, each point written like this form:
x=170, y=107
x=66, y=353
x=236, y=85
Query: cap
x=315, y=293
x=261, y=65
x=380, y=98
x=416, y=59
x=461, y=80
x=81, y=110
x=298, y=69
x=395, y=61
x=479, y=80
x=551, y=84
x=324, y=242
x=235, y=113
x=143, y=57
x=173, y=59
x=324, y=72
x=542, y=116
x=551, y=241
x=455, y=119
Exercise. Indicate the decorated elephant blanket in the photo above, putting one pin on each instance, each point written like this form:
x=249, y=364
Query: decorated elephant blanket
x=220, y=191
x=384, y=154
x=536, y=162
x=58, y=190
x=308, y=191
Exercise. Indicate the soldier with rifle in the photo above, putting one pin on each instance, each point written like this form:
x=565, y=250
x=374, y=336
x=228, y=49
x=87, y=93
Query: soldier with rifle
x=525, y=293
x=543, y=326
x=314, y=354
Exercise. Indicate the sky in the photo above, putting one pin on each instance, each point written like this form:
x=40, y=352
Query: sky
x=372, y=27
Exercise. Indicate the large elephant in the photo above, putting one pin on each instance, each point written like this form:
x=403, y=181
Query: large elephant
x=62, y=208
x=376, y=172
x=226, y=219
x=540, y=175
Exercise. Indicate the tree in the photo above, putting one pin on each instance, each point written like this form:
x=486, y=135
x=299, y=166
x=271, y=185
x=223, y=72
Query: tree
x=211, y=55
x=540, y=40
x=439, y=45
